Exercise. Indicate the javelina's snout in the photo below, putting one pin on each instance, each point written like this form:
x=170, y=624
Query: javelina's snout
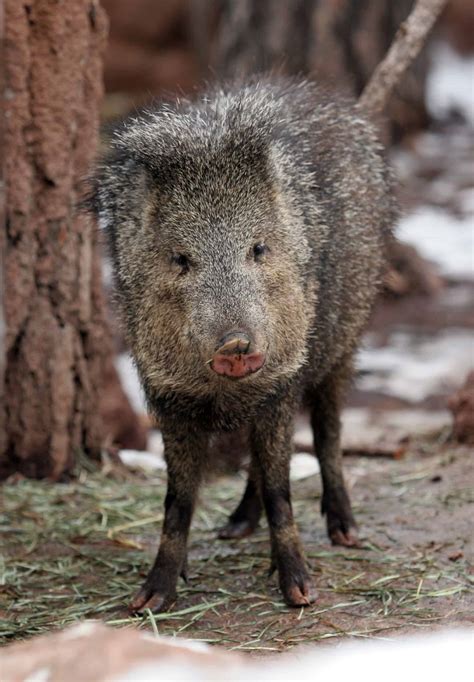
x=236, y=356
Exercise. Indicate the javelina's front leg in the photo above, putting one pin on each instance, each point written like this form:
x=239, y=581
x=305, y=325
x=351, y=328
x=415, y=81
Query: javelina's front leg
x=271, y=448
x=184, y=454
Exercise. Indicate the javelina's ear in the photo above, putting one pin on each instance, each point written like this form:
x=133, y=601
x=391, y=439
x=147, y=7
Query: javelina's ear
x=142, y=140
x=115, y=192
x=156, y=139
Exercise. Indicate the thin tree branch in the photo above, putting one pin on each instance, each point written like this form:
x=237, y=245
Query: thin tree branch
x=408, y=42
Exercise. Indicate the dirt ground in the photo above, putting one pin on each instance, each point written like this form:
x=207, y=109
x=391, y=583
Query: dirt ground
x=79, y=550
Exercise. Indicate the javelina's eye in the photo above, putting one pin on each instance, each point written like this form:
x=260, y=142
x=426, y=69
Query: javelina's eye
x=181, y=261
x=260, y=250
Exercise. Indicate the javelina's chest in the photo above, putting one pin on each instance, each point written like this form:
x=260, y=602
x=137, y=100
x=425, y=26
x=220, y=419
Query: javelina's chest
x=213, y=413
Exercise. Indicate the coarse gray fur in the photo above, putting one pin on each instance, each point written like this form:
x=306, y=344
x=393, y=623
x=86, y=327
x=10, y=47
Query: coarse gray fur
x=274, y=162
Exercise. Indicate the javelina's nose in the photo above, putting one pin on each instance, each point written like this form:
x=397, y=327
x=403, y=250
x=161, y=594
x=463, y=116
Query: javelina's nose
x=235, y=356
x=234, y=343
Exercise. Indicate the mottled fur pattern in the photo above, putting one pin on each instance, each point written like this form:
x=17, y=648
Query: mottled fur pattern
x=273, y=162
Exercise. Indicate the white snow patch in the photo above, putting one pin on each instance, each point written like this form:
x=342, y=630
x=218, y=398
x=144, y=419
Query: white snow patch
x=155, y=443
x=130, y=382
x=303, y=465
x=435, y=657
x=40, y=675
x=146, y=461
x=83, y=629
x=167, y=671
x=441, y=238
x=179, y=643
x=107, y=272
x=450, y=84
x=413, y=369
x=303, y=437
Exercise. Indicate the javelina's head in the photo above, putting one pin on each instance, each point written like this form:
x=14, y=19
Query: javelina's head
x=209, y=248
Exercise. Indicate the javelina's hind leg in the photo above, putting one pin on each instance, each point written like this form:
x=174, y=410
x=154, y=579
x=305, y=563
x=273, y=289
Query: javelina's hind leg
x=325, y=421
x=183, y=452
x=244, y=520
x=271, y=448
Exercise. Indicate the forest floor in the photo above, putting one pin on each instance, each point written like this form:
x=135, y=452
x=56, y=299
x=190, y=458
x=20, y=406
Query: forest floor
x=80, y=549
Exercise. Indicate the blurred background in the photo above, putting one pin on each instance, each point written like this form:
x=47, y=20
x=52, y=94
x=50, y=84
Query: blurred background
x=419, y=348
x=79, y=540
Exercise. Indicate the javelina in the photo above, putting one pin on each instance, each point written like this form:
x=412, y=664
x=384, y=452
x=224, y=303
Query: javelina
x=247, y=233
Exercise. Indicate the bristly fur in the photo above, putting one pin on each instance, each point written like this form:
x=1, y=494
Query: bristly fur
x=273, y=161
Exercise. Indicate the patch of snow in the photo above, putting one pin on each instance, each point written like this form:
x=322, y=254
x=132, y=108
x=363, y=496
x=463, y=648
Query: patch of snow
x=83, y=629
x=303, y=465
x=450, y=84
x=107, y=273
x=303, y=437
x=155, y=443
x=441, y=238
x=167, y=671
x=186, y=644
x=435, y=656
x=147, y=461
x=130, y=382
x=412, y=368
x=40, y=675
x=432, y=657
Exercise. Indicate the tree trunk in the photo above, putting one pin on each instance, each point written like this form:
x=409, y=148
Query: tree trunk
x=56, y=338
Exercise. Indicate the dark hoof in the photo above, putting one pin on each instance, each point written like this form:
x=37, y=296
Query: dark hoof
x=234, y=530
x=300, y=594
x=341, y=526
x=347, y=538
x=146, y=598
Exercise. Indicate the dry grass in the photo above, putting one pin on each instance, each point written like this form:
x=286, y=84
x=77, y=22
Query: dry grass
x=80, y=549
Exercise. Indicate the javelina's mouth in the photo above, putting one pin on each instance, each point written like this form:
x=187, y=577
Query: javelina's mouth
x=237, y=366
x=235, y=357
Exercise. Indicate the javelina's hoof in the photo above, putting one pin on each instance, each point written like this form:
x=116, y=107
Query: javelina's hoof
x=146, y=598
x=347, y=538
x=300, y=593
x=234, y=530
x=341, y=526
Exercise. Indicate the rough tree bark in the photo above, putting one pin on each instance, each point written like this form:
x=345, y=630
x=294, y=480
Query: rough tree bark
x=57, y=342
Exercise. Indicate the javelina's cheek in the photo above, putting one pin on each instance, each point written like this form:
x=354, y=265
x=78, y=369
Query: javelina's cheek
x=185, y=331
